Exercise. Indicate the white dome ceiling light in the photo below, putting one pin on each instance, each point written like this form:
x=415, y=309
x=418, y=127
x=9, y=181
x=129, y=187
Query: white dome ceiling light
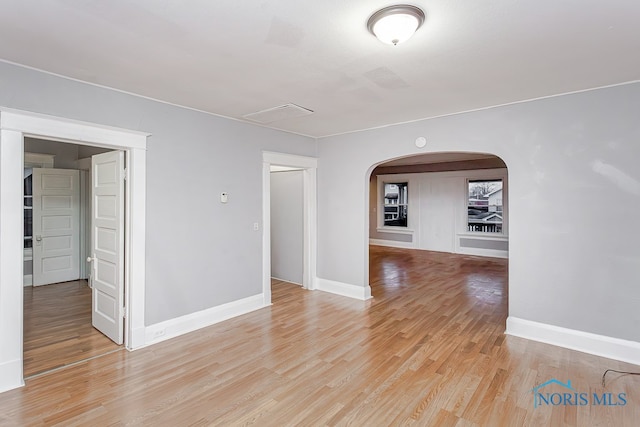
x=395, y=24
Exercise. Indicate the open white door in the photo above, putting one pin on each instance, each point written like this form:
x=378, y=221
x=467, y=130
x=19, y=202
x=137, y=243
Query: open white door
x=56, y=226
x=107, y=244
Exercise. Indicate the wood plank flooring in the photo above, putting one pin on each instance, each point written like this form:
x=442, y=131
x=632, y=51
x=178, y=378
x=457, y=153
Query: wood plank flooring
x=428, y=350
x=57, y=327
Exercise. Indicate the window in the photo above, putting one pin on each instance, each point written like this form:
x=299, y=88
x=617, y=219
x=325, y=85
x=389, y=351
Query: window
x=484, y=207
x=396, y=202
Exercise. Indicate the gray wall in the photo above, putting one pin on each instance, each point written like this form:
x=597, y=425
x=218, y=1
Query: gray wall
x=574, y=200
x=191, y=158
x=287, y=197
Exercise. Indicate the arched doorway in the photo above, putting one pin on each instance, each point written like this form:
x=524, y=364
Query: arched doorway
x=441, y=202
x=440, y=216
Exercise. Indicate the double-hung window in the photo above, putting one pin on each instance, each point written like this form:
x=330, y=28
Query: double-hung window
x=396, y=204
x=484, y=206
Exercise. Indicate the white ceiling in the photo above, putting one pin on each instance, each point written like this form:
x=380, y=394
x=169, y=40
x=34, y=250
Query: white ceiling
x=235, y=57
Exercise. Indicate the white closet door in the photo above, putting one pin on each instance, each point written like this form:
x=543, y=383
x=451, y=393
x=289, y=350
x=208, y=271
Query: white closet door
x=56, y=226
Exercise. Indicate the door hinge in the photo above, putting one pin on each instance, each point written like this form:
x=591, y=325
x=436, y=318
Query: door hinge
x=124, y=174
x=123, y=312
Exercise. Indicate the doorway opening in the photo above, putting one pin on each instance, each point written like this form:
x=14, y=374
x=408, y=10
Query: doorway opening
x=287, y=225
x=58, y=324
x=14, y=127
x=301, y=173
x=446, y=210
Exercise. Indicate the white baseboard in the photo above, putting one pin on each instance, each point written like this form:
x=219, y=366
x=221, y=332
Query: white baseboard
x=27, y=280
x=599, y=345
x=191, y=322
x=11, y=375
x=344, y=289
x=392, y=243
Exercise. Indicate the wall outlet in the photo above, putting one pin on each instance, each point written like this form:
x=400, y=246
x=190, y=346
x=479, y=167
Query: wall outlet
x=159, y=333
x=256, y=226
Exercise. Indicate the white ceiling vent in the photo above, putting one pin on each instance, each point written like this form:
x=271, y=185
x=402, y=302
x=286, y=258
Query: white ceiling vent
x=270, y=115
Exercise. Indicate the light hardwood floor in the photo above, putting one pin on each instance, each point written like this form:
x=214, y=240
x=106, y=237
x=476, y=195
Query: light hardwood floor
x=57, y=327
x=428, y=349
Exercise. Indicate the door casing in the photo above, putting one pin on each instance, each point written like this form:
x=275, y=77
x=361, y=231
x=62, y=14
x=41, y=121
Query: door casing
x=14, y=125
x=309, y=166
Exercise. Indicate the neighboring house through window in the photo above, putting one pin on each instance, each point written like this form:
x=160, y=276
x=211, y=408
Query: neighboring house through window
x=484, y=208
x=396, y=204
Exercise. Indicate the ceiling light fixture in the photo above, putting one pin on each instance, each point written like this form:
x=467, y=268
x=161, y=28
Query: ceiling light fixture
x=395, y=24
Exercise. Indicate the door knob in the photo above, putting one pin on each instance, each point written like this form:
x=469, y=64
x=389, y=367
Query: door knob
x=38, y=238
x=89, y=259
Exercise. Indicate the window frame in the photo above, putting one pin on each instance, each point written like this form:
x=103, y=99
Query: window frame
x=504, y=214
x=411, y=204
x=402, y=202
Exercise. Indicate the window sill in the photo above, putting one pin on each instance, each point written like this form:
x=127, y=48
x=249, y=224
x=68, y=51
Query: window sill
x=484, y=236
x=395, y=230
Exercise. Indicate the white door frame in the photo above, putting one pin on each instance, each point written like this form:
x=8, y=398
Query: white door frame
x=14, y=125
x=309, y=166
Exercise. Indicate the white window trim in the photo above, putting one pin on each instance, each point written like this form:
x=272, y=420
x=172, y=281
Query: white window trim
x=413, y=212
x=483, y=236
x=395, y=230
x=489, y=175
